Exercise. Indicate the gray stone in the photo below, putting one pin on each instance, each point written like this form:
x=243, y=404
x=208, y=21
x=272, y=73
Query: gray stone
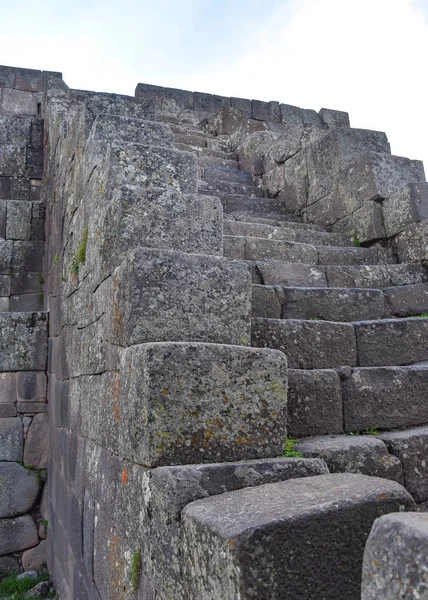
x=23, y=341
x=238, y=544
x=408, y=205
x=24, y=282
x=36, y=444
x=8, y=410
x=411, y=244
x=258, y=230
x=116, y=104
x=4, y=304
x=334, y=118
x=31, y=386
x=274, y=272
x=267, y=301
x=407, y=300
x=12, y=160
x=27, y=256
x=411, y=448
x=214, y=299
x=395, y=558
x=41, y=590
x=7, y=564
x=17, y=534
x=19, y=489
x=27, y=575
x=35, y=558
x=367, y=222
x=367, y=455
x=259, y=248
x=307, y=344
x=243, y=105
x=19, y=102
x=330, y=255
x=379, y=397
x=5, y=285
x=291, y=114
x=391, y=342
x=201, y=402
x=27, y=303
x=332, y=304
x=314, y=402
x=7, y=388
x=11, y=439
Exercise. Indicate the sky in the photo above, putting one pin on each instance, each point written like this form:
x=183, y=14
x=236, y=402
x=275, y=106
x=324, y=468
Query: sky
x=367, y=57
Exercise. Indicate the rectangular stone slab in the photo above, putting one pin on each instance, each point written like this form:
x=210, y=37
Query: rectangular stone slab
x=302, y=538
x=172, y=296
x=188, y=402
x=23, y=341
x=385, y=397
x=391, y=569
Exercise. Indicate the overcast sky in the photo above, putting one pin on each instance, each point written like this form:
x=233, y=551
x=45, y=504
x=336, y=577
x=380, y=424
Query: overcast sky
x=367, y=57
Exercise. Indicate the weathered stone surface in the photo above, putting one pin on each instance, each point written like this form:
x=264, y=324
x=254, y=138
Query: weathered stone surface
x=23, y=341
x=379, y=397
x=36, y=444
x=307, y=344
x=7, y=388
x=259, y=230
x=334, y=118
x=267, y=301
x=35, y=558
x=189, y=403
x=330, y=255
x=411, y=244
x=170, y=296
x=7, y=564
x=11, y=439
x=367, y=222
x=375, y=276
x=395, y=558
x=408, y=300
x=332, y=304
x=41, y=590
x=314, y=402
x=391, y=342
x=259, y=248
x=411, y=447
x=408, y=205
x=291, y=114
x=275, y=272
x=19, y=489
x=31, y=386
x=17, y=534
x=238, y=544
x=18, y=102
x=367, y=455
x=116, y=104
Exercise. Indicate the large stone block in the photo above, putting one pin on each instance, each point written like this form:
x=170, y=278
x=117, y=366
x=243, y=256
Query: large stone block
x=407, y=300
x=395, y=558
x=411, y=244
x=11, y=439
x=18, y=224
x=17, y=534
x=302, y=538
x=379, y=397
x=37, y=442
x=7, y=388
x=19, y=102
x=186, y=403
x=170, y=296
x=314, y=402
x=12, y=161
x=275, y=272
x=367, y=455
x=392, y=342
x=408, y=205
x=19, y=489
x=411, y=448
x=23, y=341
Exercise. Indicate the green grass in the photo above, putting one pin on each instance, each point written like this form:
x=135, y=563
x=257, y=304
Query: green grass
x=15, y=589
x=79, y=257
x=422, y=315
x=355, y=239
x=135, y=570
x=289, y=451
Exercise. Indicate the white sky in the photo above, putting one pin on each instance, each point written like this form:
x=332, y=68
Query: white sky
x=366, y=57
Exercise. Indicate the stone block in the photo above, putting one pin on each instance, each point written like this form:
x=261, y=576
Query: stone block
x=411, y=448
x=394, y=558
x=334, y=118
x=391, y=342
x=275, y=272
x=243, y=105
x=18, y=224
x=125, y=130
x=17, y=534
x=307, y=344
x=331, y=255
x=408, y=205
x=314, y=403
x=14, y=188
x=116, y=104
x=311, y=117
x=3, y=212
x=12, y=161
x=6, y=257
x=169, y=296
x=188, y=403
x=411, y=245
x=204, y=102
x=11, y=439
x=367, y=455
x=19, y=102
x=24, y=282
x=19, y=489
x=27, y=256
x=259, y=249
x=234, y=247
x=267, y=302
x=407, y=300
x=7, y=410
x=28, y=80
x=291, y=114
x=377, y=397
x=23, y=341
x=7, y=388
x=238, y=544
x=37, y=442
x=27, y=302
x=7, y=77
x=31, y=386
x=367, y=222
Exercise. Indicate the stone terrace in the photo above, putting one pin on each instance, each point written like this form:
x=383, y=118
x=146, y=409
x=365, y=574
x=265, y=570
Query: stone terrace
x=219, y=273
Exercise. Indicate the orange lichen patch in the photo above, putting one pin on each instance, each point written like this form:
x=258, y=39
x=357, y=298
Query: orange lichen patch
x=231, y=543
x=125, y=476
x=116, y=398
x=219, y=423
x=243, y=441
x=89, y=307
x=164, y=391
x=225, y=399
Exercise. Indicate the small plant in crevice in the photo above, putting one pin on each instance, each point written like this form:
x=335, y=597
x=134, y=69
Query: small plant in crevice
x=79, y=256
x=135, y=569
x=371, y=431
x=355, y=239
x=56, y=259
x=289, y=451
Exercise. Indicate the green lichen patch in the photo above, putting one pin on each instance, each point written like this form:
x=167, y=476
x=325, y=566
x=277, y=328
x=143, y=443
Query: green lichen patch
x=289, y=451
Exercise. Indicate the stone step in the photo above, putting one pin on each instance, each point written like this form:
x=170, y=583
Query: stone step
x=376, y=276
x=327, y=304
x=191, y=139
x=254, y=248
x=230, y=187
x=209, y=162
x=274, y=219
x=206, y=152
x=233, y=202
x=213, y=174
x=365, y=454
x=264, y=230
x=279, y=272
x=302, y=538
x=327, y=344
